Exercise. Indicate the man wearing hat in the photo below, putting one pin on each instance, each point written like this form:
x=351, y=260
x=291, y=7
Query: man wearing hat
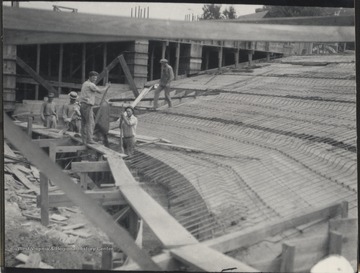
x=128, y=123
x=167, y=75
x=87, y=101
x=48, y=112
x=71, y=114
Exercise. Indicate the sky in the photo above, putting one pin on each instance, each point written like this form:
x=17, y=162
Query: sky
x=170, y=11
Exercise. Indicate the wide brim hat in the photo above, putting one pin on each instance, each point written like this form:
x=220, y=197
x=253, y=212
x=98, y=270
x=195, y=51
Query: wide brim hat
x=51, y=95
x=73, y=95
x=129, y=107
x=163, y=61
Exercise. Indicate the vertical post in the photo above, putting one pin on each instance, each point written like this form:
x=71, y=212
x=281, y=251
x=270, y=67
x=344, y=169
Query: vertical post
x=287, y=258
x=71, y=62
x=335, y=243
x=152, y=64
x=37, y=70
x=163, y=50
x=148, y=12
x=207, y=56
x=29, y=126
x=344, y=209
x=220, y=56
x=49, y=66
x=250, y=55
x=83, y=63
x=236, y=58
x=106, y=78
x=107, y=256
x=131, y=12
x=83, y=181
x=133, y=223
x=61, y=57
x=268, y=56
x=177, y=61
x=52, y=156
x=44, y=199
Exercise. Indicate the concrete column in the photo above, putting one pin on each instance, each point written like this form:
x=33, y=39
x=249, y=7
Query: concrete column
x=220, y=57
x=163, y=50
x=9, y=77
x=250, y=55
x=194, y=65
x=268, y=56
x=152, y=64
x=236, y=56
x=207, y=56
x=137, y=61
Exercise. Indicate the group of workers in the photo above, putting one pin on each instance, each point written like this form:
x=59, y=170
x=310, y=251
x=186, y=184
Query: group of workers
x=79, y=116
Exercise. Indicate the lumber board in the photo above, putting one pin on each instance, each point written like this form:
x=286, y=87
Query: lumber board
x=70, y=149
x=142, y=94
x=33, y=260
x=206, y=259
x=23, y=179
x=90, y=166
x=96, y=214
x=8, y=151
x=287, y=258
x=24, y=258
x=127, y=73
x=75, y=226
x=310, y=244
x=164, y=226
x=105, y=198
x=103, y=26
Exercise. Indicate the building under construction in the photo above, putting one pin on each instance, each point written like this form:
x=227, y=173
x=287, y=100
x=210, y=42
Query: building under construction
x=253, y=169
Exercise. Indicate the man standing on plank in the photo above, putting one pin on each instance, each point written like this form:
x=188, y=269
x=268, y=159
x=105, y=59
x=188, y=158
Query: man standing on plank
x=48, y=112
x=71, y=114
x=167, y=75
x=128, y=123
x=87, y=101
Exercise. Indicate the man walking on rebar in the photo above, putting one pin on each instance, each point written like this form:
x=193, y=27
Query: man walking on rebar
x=48, y=112
x=71, y=114
x=87, y=101
x=128, y=123
x=167, y=75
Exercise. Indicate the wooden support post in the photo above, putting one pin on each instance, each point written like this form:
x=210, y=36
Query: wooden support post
x=44, y=199
x=37, y=70
x=344, y=209
x=335, y=243
x=268, y=56
x=152, y=64
x=207, y=56
x=220, y=56
x=61, y=57
x=250, y=55
x=83, y=181
x=29, y=126
x=177, y=60
x=107, y=256
x=287, y=258
x=83, y=63
x=163, y=50
x=106, y=77
x=133, y=223
x=128, y=75
x=236, y=55
x=49, y=66
x=88, y=265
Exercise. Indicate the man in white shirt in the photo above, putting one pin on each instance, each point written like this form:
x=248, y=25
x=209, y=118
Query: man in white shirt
x=87, y=101
x=128, y=123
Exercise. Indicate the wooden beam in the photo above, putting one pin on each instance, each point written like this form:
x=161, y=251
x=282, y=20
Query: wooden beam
x=90, y=166
x=83, y=63
x=128, y=75
x=23, y=179
x=177, y=60
x=121, y=214
x=61, y=57
x=164, y=226
x=70, y=149
x=204, y=258
x=96, y=214
x=106, y=256
x=38, y=54
x=22, y=79
x=83, y=181
x=36, y=76
x=287, y=258
x=46, y=142
x=106, y=70
x=335, y=243
x=44, y=199
x=24, y=258
x=29, y=127
x=163, y=49
x=104, y=198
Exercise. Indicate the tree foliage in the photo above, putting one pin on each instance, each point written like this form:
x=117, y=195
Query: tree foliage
x=230, y=13
x=296, y=11
x=211, y=11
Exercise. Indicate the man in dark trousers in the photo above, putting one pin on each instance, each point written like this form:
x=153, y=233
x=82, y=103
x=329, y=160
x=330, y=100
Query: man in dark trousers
x=87, y=101
x=167, y=75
